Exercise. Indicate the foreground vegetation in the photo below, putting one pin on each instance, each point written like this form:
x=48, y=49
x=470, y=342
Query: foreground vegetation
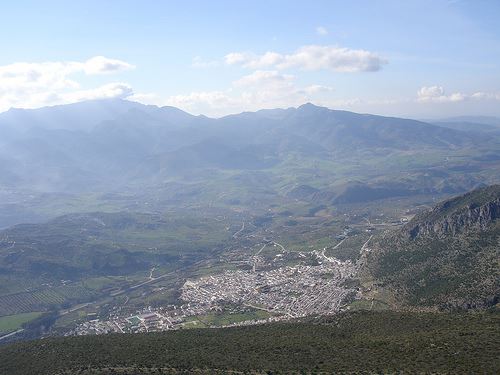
x=356, y=342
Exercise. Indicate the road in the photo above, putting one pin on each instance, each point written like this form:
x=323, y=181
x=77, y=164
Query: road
x=340, y=243
x=262, y=248
x=333, y=248
x=151, y=273
x=75, y=308
x=11, y=334
x=150, y=281
x=258, y=307
x=364, y=247
x=241, y=230
x=280, y=245
x=254, y=258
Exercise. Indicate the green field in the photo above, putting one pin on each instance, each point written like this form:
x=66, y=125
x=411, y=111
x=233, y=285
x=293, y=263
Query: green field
x=225, y=318
x=12, y=323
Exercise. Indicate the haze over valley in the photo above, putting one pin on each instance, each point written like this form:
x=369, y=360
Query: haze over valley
x=113, y=203
x=312, y=196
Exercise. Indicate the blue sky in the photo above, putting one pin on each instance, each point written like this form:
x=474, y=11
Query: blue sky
x=405, y=58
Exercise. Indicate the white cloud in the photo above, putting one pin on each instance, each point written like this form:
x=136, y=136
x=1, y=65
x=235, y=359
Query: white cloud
x=260, y=89
x=32, y=76
x=103, y=65
x=235, y=58
x=210, y=103
x=428, y=92
x=266, y=60
x=211, y=98
x=334, y=58
x=485, y=95
x=321, y=30
x=199, y=63
x=146, y=98
x=314, y=89
x=264, y=78
x=437, y=94
x=350, y=103
x=30, y=85
x=109, y=91
x=312, y=57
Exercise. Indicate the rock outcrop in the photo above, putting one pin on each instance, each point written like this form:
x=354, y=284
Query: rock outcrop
x=468, y=218
x=445, y=258
x=473, y=211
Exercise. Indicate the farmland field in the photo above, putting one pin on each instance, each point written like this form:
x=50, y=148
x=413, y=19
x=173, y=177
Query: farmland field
x=11, y=323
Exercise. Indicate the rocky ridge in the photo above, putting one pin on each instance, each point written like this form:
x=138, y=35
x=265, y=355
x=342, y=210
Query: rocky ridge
x=453, y=217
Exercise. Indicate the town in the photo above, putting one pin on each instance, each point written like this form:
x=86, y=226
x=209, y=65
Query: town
x=285, y=292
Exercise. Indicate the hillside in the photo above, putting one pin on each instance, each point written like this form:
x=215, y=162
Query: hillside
x=97, y=244
x=446, y=257
x=58, y=160
x=95, y=142
x=354, y=343
x=81, y=257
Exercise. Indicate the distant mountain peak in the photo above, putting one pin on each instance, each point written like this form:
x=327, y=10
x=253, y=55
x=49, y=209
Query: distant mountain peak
x=310, y=106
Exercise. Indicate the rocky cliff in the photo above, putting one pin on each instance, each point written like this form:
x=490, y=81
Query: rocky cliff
x=441, y=222
x=447, y=257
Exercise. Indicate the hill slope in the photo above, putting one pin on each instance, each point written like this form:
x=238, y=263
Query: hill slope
x=119, y=146
x=354, y=343
x=78, y=245
x=447, y=257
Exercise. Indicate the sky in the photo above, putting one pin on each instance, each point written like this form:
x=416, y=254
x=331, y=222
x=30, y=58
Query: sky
x=418, y=59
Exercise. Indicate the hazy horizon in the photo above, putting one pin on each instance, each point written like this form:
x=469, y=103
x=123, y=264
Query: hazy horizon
x=466, y=118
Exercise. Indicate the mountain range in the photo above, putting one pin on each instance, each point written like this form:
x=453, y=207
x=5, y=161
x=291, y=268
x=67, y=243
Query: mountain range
x=108, y=208
x=308, y=153
x=91, y=144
